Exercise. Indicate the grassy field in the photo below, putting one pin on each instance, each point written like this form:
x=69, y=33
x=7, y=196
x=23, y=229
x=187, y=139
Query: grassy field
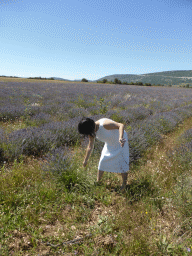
x=49, y=203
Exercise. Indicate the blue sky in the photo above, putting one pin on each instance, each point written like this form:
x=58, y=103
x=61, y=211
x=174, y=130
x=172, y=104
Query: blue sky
x=94, y=38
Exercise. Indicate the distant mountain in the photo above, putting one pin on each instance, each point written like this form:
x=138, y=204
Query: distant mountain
x=58, y=78
x=176, y=77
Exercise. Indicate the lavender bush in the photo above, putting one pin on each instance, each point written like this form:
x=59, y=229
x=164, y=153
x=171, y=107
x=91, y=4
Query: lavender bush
x=41, y=118
x=2, y=135
x=31, y=141
x=76, y=112
x=137, y=144
x=131, y=115
x=2, y=138
x=11, y=112
x=183, y=150
x=186, y=137
x=38, y=140
x=59, y=162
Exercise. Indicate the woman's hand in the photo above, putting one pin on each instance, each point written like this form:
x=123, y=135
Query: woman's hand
x=122, y=142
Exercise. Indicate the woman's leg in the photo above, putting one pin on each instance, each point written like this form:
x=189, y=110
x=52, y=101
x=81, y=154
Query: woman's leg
x=124, y=178
x=99, y=175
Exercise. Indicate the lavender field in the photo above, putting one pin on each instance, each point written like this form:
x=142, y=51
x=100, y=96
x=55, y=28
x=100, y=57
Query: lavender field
x=50, y=112
x=47, y=197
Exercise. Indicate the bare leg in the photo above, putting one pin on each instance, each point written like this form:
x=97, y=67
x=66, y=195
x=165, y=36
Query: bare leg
x=99, y=175
x=124, y=178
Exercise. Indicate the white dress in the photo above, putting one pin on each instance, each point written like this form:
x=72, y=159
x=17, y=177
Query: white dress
x=114, y=158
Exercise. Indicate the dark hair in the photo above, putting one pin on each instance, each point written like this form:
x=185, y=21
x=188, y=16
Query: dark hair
x=87, y=127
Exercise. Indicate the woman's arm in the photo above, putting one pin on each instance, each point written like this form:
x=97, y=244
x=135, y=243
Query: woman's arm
x=89, y=150
x=110, y=125
x=121, y=131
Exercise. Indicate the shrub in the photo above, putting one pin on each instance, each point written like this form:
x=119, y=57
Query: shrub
x=65, y=133
x=39, y=140
x=117, y=81
x=104, y=80
x=183, y=150
x=185, y=137
x=134, y=114
x=103, y=106
x=94, y=110
x=137, y=144
x=32, y=141
x=11, y=112
x=41, y=118
x=84, y=103
x=75, y=112
x=139, y=83
x=2, y=136
x=63, y=154
x=84, y=80
x=61, y=162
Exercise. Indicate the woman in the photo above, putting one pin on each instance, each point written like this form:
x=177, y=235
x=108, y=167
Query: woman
x=115, y=153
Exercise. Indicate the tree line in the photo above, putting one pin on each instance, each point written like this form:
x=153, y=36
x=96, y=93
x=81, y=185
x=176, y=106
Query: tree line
x=117, y=81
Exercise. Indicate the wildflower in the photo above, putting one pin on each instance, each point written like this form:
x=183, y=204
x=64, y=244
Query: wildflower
x=188, y=249
x=146, y=212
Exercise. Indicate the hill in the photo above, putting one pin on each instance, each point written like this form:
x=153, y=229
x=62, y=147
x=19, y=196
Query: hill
x=176, y=77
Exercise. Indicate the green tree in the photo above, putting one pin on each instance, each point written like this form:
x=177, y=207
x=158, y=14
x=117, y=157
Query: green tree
x=139, y=83
x=104, y=80
x=117, y=81
x=84, y=80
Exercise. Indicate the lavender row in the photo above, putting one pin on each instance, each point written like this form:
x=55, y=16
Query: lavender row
x=37, y=141
x=143, y=135
x=183, y=150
